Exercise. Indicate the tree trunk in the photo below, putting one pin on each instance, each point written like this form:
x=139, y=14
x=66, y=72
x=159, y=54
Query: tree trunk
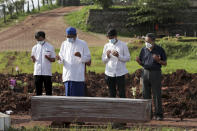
x=43, y=2
x=51, y=2
x=23, y=6
x=16, y=7
x=4, y=14
x=28, y=7
x=32, y=1
x=39, y=5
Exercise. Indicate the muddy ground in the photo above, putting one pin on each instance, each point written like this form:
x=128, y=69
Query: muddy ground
x=179, y=92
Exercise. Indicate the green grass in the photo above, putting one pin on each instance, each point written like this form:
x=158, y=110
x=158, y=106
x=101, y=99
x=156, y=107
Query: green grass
x=78, y=19
x=12, y=21
x=181, y=55
x=21, y=16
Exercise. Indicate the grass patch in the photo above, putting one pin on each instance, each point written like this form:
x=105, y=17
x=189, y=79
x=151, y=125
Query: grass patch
x=181, y=55
x=78, y=19
x=21, y=16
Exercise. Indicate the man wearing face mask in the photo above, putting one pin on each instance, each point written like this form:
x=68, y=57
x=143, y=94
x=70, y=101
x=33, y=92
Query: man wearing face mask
x=115, y=55
x=152, y=57
x=74, y=53
x=42, y=55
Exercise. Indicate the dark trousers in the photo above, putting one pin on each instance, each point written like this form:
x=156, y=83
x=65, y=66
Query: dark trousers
x=39, y=81
x=152, y=82
x=112, y=82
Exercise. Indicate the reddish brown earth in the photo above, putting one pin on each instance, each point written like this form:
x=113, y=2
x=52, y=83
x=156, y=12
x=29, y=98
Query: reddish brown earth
x=179, y=94
x=179, y=91
x=21, y=36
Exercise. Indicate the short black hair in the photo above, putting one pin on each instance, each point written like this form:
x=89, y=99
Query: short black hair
x=151, y=35
x=112, y=32
x=40, y=34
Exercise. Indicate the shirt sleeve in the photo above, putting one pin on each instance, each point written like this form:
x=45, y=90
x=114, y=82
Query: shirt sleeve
x=141, y=56
x=61, y=54
x=105, y=59
x=33, y=52
x=163, y=55
x=86, y=57
x=53, y=55
x=126, y=55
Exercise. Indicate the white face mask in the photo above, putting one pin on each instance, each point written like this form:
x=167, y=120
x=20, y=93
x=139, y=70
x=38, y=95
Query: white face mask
x=148, y=45
x=113, y=41
x=41, y=42
x=70, y=40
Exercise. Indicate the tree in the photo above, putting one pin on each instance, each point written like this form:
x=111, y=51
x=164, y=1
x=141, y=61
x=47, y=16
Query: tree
x=10, y=7
x=39, y=5
x=28, y=10
x=43, y=2
x=32, y=1
x=153, y=12
x=105, y=4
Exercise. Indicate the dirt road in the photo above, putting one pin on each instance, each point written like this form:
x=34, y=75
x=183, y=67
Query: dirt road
x=190, y=124
x=21, y=36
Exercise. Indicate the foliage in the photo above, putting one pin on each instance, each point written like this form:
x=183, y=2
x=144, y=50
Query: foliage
x=151, y=12
x=181, y=55
x=78, y=19
x=105, y=4
x=21, y=16
x=86, y=2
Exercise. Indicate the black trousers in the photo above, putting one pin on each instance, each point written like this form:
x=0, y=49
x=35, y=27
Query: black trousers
x=112, y=82
x=152, y=83
x=39, y=81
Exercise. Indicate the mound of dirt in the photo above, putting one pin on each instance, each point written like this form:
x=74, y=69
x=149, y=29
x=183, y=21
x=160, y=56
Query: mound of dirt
x=179, y=91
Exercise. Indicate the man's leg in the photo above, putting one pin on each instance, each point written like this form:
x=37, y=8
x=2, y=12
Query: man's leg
x=121, y=85
x=156, y=89
x=67, y=88
x=146, y=87
x=38, y=81
x=111, y=83
x=78, y=88
x=48, y=85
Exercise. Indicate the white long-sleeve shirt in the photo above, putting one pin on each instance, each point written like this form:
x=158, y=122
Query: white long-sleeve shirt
x=73, y=66
x=116, y=66
x=42, y=65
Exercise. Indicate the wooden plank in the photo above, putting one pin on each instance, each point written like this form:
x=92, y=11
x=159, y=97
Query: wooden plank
x=89, y=109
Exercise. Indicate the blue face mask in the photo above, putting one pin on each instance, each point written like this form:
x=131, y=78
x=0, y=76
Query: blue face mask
x=70, y=40
x=113, y=41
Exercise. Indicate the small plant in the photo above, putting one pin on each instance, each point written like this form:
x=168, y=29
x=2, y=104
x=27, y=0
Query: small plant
x=12, y=83
x=133, y=90
x=105, y=4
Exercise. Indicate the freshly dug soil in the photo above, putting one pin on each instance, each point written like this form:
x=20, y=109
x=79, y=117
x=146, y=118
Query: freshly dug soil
x=179, y=92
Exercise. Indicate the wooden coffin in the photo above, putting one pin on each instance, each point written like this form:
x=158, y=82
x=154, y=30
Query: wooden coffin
x=89, y=109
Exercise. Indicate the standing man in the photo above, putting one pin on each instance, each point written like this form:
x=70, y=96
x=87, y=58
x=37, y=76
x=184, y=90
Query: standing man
x=115, y=55
x=152, y=57
x=74, y=53
x=42, y=55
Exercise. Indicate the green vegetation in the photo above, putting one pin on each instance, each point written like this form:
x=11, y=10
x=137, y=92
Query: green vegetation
x=181, y=55
x=16, y=18
x=154, y=11
x=105, y=4
x=78, y=19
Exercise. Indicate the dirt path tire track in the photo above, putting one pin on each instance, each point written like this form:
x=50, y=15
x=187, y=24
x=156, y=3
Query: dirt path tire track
x=21, y=36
